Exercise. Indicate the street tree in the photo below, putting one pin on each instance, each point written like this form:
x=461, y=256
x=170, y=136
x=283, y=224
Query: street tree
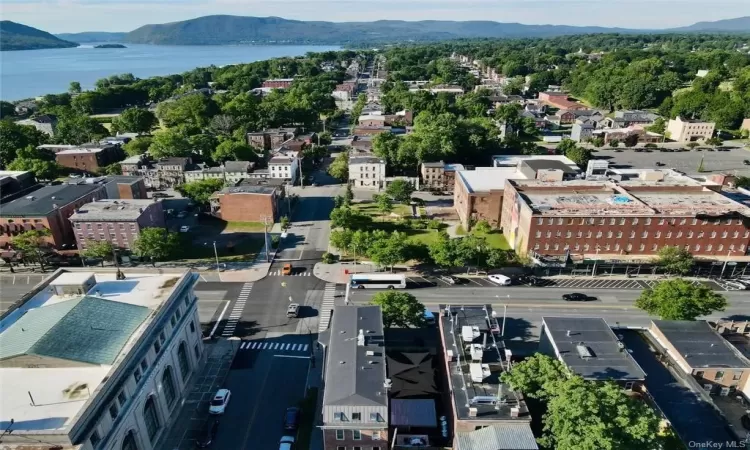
x=170, y=142
x=33, y=244
x=101, y=250
x=679, y=299
x=536, y=376
x=135, y=120
x=201, y=191
x=112, y=169
x=341, y=239
x=400, y=190
x=675, y=260
x=39, y=162
x=156, y=244
x=284, y=223
x=399, y=309
x=496, y=258
x=692, y=145
x=362, y=241
x=384, y=203
x=137, y=146
x=339, y=168
x=579, y=155
x=388, y=250
x=231, y=150
x=443, y=251
x=714, y=142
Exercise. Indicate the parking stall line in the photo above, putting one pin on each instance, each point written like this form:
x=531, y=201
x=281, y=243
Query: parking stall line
x=475, y=282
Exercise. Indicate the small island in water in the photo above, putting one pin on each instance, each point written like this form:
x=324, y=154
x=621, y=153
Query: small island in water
x=110, y=46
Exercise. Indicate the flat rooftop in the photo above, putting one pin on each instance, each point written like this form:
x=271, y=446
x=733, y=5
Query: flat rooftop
x=365, y=160
x=489, y=399
x=513, y=160
x=485, y=179
x=112, y=210
x=700, y=346
x=248, y=188
x=91, y=333
x=588, y=347
x=76, y=151
x=43, y=201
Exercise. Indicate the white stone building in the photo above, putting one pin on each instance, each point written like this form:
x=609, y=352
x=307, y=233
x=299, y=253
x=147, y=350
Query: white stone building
x=686, y=130
x=285, y=167
x=367, y=172
x=89, y=362
x=231, y=172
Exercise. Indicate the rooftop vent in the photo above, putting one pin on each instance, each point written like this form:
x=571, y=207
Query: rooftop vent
x=361, y=338
x=30, y=197
x=583, y=351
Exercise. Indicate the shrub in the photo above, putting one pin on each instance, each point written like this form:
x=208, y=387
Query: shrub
x=328, y=258
x=434, y=224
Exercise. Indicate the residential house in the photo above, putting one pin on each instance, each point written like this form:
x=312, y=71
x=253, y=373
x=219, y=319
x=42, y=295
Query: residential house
x=117, y=221
x=436, y=89
x=439, y=176
x=90, y=158
x=270, y=138
x=278, y=83
x=370, y=131
x=362, y=143
x=47, y=208
x=249, y=201
x=160, y=174
x=230, y=171
x=367, y=172
x=560, y=100
x=345, y=91
x=355, y=398
x=634, y=132
x=688, y=130
x=582, y=132
x=506, y=436
x=284, y=167
x=540, y=121
x=702, y=352
x=588, y=347
x=626, y=118
x=25, y=107
x=46, y=123
x=93, y=362
x=371, y=120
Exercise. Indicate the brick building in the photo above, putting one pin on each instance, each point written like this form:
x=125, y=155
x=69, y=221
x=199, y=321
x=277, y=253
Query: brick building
x=89, y=158
x=270, y=138
x=439, y=176
x=703, y=353
x=248, y=202
x=47, y=208
x=637, y=215
x=117, y=221
x=355, y=400
x=164, y=173
x=278, y=83
x=560, y=100
x=370, y=131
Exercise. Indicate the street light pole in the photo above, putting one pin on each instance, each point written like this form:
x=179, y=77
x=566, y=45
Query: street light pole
x=216, y=254
x=724, y=267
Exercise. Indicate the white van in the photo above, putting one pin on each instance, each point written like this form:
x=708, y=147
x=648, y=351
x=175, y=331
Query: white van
x=502, y=280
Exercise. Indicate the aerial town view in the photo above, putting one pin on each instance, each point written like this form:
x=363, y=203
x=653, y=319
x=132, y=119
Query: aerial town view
x=324, y=225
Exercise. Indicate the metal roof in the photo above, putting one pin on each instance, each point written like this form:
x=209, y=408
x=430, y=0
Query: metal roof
x=90, y=330
x=354, y=377
x=589, y=348
x=42, y=201
x=413, y=412
x=700, y=345
x=506, y=436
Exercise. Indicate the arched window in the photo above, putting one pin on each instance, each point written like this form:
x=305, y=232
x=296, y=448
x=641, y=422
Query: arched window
x=151, y=418
x=182, y=358
x=129, y=442
x=167, y=382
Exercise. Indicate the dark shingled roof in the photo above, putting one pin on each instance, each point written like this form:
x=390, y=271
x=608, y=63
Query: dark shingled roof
x=41, y=202
x=700, y=345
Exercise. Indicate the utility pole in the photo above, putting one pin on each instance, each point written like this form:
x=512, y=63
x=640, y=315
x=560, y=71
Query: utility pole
x=301, y=178
x=265, y=234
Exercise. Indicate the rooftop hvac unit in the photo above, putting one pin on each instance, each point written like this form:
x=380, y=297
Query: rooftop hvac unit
x=469, y=333
x=476, y=352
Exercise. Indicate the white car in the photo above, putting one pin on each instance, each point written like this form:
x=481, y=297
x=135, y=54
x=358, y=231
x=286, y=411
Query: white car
x=220, y=401
x=502, y=280
x=286, y=443
x=184, y=229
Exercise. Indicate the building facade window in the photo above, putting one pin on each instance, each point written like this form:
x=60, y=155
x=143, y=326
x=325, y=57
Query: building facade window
x=94, y=439
x=167, y=382
x=129, y=442
x=357, y=435
x=339, y=435
x=182, y=358
x=151, y=419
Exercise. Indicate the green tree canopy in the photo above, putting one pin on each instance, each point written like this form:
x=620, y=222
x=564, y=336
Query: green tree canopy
x=384, y=203
x=400, y=190
x=170, y=142
x=75, y=87
x=103, y=250
x=14, y=137
x=201, y=191
x=536, y=376
x=234, y=151
x=387, y=250
x=135, y=120
x=399, y=309
x=39, y=162
x=75, y=128
x=138, y=146
x=34, y=244
x=339, y=168
x=193, y=110
x=156, y=244
x=7, y=109
x=680, y=299
x=675, y=260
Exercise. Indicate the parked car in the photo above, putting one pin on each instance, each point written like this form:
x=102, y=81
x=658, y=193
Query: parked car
x=448, y=279
x=291, y=418
x=577, y=297
x=184, y=229
x=286, y=443
x=659, y=164
x=208, y=435
x=502, y=280
x=220, y=401
x=292, y=310
x=287, y=269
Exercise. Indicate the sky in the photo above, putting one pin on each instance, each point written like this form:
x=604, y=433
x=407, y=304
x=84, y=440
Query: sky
x=66, y=16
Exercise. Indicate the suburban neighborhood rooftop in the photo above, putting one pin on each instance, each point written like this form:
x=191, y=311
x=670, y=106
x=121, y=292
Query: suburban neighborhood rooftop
x=700, y=345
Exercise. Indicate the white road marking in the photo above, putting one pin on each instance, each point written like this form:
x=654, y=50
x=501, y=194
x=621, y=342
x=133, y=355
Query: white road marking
x=292, y=356
x=216, y=325
x=305, y=347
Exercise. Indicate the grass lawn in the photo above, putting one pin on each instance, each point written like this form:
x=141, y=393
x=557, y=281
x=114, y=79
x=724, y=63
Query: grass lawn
x=495, y=239
x=425, y=237
x=243, y=226
x=460, y=230
x=371, y=209
x=244, y=250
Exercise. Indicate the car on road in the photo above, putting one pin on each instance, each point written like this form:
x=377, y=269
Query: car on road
x=291, y=418
x=159, y=195
x=577, y=297
x=184, y=229
x=286, y=443
x=531, y=280
x=287, y=269
x=220, y=401
x=448, y=279
x=182, y=214
x=208, y=435
x=502, y=280
x=746, y=162
x=292, y=310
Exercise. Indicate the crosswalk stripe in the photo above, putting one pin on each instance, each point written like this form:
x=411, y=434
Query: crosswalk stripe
x=243, y=345
x=304, y=349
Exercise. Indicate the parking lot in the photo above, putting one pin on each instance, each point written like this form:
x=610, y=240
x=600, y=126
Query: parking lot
x=15, y=286
x=713, y=161
x=414, y=281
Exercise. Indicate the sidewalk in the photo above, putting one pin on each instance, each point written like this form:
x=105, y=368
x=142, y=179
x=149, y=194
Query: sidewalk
x=336, y=272
x=315, y=380
x=190, y=419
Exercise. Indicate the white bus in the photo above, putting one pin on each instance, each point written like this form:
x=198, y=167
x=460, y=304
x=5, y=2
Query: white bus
x=377, y=281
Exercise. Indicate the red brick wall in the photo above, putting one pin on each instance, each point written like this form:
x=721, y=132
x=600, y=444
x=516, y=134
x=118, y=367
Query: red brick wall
x=366, y=443
x=248, y=207
x=80, y=161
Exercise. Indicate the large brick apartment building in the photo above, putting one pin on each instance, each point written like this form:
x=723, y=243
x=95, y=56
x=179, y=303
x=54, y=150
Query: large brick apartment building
x=89, y=158
x=116, y=221
x=248, y=202
x=635, y=216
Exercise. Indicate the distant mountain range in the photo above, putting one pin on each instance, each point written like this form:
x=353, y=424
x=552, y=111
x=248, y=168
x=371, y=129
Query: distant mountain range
x=15, y=36
x=222, y=30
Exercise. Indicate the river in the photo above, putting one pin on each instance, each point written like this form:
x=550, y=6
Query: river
x=31, y=73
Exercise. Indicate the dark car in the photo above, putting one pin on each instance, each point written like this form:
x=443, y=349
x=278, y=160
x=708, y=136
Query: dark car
x=208, y=435
x=577, y=297
x=291, y=418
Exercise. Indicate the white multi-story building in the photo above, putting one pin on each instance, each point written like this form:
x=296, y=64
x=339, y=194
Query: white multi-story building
x=286, y=167
x=231, y=172
x=367, y=172
x=684, y=130
x=89, y=362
